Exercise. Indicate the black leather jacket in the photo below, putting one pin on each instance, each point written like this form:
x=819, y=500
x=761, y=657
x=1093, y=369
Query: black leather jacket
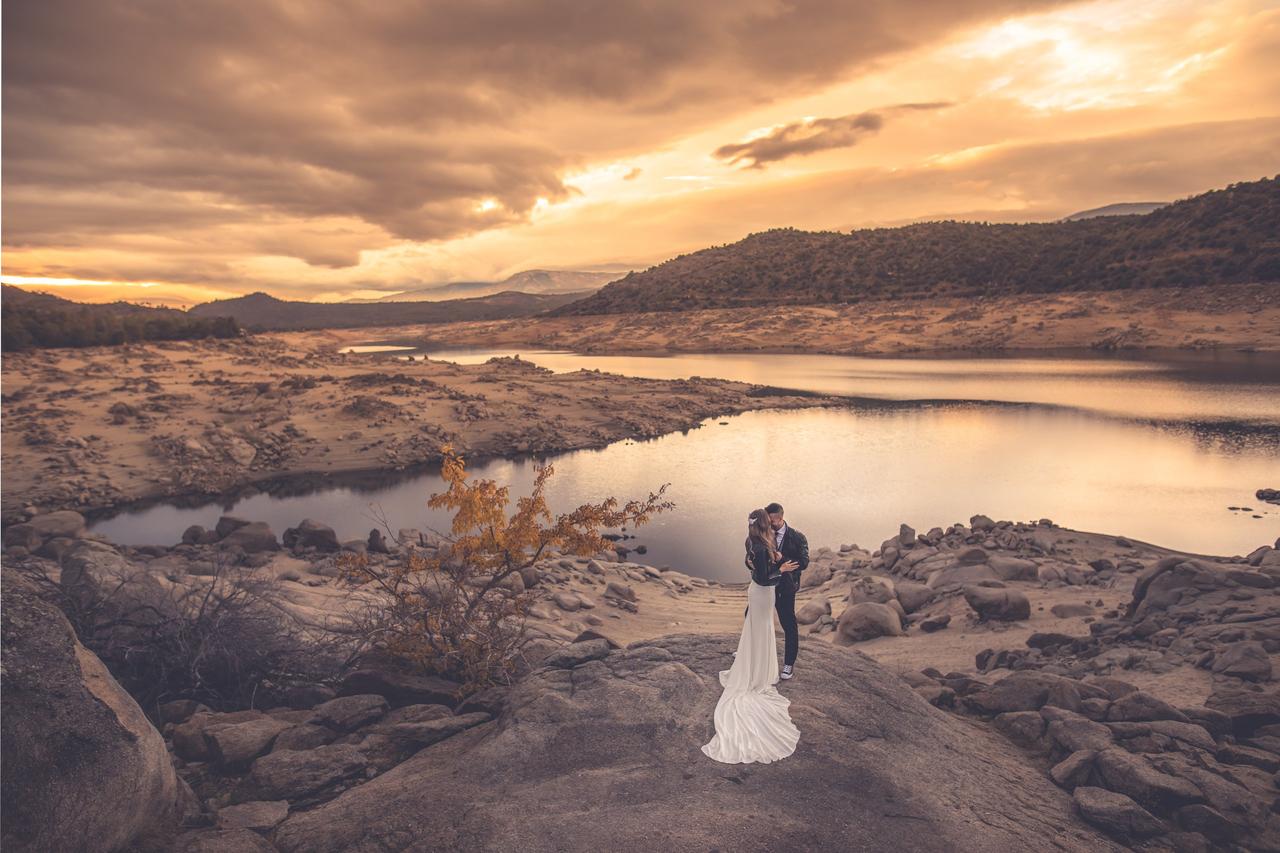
x=764, y=570
x=794, y=547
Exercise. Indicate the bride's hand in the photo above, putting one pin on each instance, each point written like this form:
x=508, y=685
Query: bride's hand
x=789, y=566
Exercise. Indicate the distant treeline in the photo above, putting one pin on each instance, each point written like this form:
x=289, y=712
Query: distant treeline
x=33, y=320
x=259, y=312
x=1221, y=237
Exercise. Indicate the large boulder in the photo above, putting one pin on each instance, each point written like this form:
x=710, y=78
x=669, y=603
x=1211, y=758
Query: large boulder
x=961, y=573
x=1026, y=690
x=1165, y=582
x=398, y=687
x=234, y=746
x=67, y=523
x=1013, y=568
x=912, y=596
x=1116, y=814
x=870, y=589
x=605, y=756
x=1249, y=706
x=300, y=775
x=83, y=767
x=866, y=621
x=1003, y=605
x=1248, y=660
x=253, y=537
x=813, y=610
x=311, y=534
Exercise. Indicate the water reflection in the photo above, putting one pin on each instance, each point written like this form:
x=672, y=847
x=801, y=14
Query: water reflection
x=1241, y=388
x=845, y=476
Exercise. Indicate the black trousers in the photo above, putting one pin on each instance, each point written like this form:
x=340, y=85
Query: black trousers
x=784, y=602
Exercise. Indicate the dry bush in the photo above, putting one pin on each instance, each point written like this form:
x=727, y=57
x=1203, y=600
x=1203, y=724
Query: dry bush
x=219, y=639
x=461, y=611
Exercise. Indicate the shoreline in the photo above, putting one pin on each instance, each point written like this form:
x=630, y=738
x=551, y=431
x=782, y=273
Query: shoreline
x=696, y=401
x=99, y=429
x=1070, y=578
x=1238, y=352
x=1239, y=318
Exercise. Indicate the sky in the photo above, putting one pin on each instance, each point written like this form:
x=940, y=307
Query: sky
x=168, y=152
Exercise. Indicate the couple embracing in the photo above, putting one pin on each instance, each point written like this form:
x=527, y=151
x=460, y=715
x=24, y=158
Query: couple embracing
x=751, y=718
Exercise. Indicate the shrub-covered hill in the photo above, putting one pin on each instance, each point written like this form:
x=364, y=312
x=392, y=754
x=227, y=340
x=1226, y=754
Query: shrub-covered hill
x=33, y=320
x=1225, y=236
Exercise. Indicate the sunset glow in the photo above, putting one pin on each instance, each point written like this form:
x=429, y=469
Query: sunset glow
x=325, y=153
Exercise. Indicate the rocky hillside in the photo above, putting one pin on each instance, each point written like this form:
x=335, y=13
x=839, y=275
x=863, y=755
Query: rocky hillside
x=262, y=312
x=1222, y=237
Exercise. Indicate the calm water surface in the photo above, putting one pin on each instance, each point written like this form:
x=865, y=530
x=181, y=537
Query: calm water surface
x=1156, y=450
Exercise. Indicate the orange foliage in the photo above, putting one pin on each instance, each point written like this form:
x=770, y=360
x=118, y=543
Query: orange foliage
x=460, y=611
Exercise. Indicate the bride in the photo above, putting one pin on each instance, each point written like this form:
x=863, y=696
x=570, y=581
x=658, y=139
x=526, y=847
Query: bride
x=752, y=721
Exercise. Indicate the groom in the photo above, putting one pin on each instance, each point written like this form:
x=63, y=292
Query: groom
x=795, y=548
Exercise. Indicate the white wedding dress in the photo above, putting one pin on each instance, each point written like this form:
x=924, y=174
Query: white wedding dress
x=752, y=720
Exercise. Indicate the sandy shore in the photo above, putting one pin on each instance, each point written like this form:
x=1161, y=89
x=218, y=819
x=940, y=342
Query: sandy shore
x=95, y=428
x=1236, y=317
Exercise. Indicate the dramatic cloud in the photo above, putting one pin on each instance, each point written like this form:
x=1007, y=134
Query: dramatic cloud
x=810, y=135
x=327, y=149
x=428, y=120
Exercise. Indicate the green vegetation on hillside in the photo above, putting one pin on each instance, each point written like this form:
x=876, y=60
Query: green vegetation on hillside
x=1225, y=236
x=31, y=320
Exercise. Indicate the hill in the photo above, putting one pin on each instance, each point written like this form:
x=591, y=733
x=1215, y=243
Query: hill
x=1122, y=209
x=261, y=312
x=33, y=320
x=1221, y=237
x=579, y=282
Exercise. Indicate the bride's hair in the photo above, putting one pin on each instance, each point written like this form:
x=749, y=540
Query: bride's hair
x=759, y=530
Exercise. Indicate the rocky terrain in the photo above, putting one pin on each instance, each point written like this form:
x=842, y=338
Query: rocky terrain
x=1238, y=317
x=991, y=686
x=100, y=427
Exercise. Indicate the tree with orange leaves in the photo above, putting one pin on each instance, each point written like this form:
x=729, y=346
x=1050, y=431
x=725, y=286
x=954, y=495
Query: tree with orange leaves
x=460, y=612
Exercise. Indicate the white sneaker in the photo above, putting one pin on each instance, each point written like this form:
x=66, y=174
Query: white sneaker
x=786, y=670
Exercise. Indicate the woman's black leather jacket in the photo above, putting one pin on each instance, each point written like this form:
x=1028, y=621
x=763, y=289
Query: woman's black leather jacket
x=764, y=569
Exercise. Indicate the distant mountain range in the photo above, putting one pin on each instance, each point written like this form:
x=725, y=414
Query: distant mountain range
x=529, y=281
x=32, y=319
x=1225, y=236
x=261, y=312
x=1125, y=208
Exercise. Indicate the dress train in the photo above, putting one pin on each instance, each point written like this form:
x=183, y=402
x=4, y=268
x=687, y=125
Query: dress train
x=752, y=720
